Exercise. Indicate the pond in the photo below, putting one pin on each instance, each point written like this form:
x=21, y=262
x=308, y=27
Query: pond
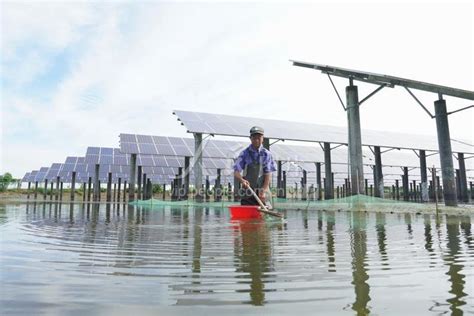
x=121, y=259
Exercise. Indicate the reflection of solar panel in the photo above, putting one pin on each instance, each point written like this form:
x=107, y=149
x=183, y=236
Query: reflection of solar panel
x=207, y=123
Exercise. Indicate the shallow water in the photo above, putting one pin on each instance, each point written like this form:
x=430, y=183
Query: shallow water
x=120, y=259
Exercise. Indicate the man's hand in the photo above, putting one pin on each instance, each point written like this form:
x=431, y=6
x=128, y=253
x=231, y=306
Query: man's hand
x=245, y=184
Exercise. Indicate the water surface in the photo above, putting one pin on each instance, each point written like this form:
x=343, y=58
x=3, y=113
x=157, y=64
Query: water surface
x=120, y=259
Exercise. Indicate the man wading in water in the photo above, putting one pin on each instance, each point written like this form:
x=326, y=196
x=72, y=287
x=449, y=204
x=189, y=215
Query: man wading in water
x=257, y=165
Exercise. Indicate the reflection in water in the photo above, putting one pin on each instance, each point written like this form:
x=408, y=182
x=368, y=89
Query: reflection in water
x=429, y=240
x=455, y=276
x=253, y=253
x=194, y=256
x=409, y=228
x=359, y=271
x=381, y=238
x=330, y=222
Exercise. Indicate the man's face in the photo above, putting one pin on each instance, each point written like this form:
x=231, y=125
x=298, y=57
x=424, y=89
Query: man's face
x=257, y=140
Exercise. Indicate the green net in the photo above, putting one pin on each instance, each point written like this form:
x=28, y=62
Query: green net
x=351, y=203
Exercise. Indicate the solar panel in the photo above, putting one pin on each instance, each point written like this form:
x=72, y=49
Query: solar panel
x=207, y=123
x=26, y=177
x=41, y=175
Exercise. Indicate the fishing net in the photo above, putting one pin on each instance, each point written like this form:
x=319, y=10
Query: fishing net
x=352, y=203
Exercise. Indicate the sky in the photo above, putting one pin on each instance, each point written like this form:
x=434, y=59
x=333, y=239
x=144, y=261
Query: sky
x=77, y=74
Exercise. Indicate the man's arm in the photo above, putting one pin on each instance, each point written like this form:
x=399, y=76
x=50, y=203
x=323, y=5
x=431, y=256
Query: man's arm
x=244, y=182
x=265, y=187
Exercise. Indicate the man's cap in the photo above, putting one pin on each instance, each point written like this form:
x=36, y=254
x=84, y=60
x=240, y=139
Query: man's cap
x=256, y=130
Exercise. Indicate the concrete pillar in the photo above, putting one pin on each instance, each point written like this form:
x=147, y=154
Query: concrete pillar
x=414, y=190
x=366, y=187
x=133, y=178
x=472, y=190
x=61, y=191
x=57, y=188
x=51, y=185
x=84, y=190
x=125, y=191
x=45, y=191
x=100, y=193
x=217, y=187
x=108, y=196
x=328, y=188
x=304, y=189
x=144, y=188
x=173, y=189
x=318, y=181
x=149, y=194
x=378, y=183
x=208, y=187
x=187, y=172
x=114, y=193
x=73, y=186
x=431, y=191
x=164, y=191
x=284, y=184
x=139, y=182
x=371, y=190
x=393, y=192
x=36, y=190
x=96, y=195
x=89, y=187
x=397, y=190
x=445, y=153
x=458, y=184
x=406, y=193
x=198, y=166
x=279, y=193
x=424, y=177
x=28, y=192
x=355, y=140
x=119, y=184
x=463, y=178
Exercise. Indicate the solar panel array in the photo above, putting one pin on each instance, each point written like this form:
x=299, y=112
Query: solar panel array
x=229, y=125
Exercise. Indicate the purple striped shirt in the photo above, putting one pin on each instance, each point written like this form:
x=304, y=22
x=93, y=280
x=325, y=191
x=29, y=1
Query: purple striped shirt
x=250, y=154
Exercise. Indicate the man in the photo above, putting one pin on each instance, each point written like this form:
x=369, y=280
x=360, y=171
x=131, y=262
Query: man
x=257, y=166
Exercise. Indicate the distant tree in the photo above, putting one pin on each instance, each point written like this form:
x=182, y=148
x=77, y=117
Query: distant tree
x=5, y=180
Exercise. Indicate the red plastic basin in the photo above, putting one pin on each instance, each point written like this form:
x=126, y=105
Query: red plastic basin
x=244, y=211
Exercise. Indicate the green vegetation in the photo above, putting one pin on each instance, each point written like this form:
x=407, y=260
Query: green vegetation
x=5, y=180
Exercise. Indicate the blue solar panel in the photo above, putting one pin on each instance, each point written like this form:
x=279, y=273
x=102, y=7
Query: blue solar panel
x=145, y=139
x=148, y=149
x=128, y=138
x=92, y=151
x=161, y=140
x=106, y=151
x=165, y=150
